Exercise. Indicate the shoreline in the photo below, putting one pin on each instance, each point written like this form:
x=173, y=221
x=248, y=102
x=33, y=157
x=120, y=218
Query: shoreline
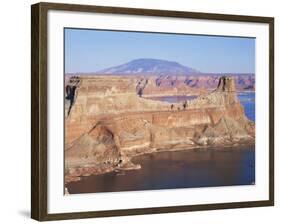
x=128, y=163
x=110, y=141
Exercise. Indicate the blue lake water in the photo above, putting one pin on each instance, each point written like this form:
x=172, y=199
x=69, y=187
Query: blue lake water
x=177, y=169
x=172, y=99
x=248, y=101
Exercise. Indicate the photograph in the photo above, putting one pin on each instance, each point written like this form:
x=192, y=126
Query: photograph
x=155, y=111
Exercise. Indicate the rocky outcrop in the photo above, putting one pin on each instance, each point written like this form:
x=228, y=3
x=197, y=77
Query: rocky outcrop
x=166, y=86
x=109, y=123
x=243, y=82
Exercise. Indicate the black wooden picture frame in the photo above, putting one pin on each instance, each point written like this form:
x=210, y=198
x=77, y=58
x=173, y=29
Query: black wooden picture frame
x=39, y=106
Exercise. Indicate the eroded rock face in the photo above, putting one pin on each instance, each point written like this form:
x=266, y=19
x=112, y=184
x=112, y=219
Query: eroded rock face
x=109, y=123
x=166, y=86
x=97, y=146
x=163, y=84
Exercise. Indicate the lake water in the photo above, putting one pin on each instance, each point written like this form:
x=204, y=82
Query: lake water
x=181, y=169
x=177, y=169
x=172, y=99
x=248, y=101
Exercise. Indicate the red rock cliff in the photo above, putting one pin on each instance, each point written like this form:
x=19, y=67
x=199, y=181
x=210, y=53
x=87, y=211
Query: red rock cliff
x=107, y=123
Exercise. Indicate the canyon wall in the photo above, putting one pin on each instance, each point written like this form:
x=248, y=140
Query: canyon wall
x=166, y=86
x=243, y=82
x=107, y=122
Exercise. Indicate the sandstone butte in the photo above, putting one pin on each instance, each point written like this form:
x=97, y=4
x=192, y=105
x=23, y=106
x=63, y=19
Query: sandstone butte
x=107, y=123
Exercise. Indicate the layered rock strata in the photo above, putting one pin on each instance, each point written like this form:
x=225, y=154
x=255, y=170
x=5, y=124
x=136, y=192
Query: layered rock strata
x=107, y=123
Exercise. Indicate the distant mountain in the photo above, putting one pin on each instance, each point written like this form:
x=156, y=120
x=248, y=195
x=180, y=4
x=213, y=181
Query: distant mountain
x=168, y=75
x=148, y=66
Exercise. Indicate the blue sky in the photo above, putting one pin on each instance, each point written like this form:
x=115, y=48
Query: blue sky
x=94, y=50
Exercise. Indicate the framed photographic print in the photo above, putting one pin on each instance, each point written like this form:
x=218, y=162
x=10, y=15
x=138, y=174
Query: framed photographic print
x=139, y=111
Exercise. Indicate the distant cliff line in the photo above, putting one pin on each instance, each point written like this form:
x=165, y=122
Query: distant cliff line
x=178, y=85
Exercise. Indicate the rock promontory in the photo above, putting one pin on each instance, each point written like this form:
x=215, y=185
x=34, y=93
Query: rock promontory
x=107, y=123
